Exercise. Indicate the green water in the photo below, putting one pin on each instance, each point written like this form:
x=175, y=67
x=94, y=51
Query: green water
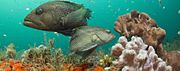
x=104, y=13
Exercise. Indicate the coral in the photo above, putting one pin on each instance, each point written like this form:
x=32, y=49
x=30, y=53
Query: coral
x=136, y=55
x=140, y=24
x=98, y=68
x=11, y=51
x=14, y=65
x=173, y=59
x=43, y=57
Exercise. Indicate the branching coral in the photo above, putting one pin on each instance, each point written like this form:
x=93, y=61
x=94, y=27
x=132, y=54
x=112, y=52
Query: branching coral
x=135, y=55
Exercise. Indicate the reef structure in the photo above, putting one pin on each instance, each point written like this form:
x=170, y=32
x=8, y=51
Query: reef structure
x=135, y=55
x=11, y=51
x=142, y=25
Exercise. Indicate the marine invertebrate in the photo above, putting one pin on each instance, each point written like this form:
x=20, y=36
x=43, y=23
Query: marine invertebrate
x=14, y=65
x=11, y=51
x=173, y=59
x=136, y=55
x=43, y=57
x=98, y=68
x=142, y=25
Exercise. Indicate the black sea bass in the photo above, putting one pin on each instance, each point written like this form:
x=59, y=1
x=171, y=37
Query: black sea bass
x=87, y=38
x=58, y=16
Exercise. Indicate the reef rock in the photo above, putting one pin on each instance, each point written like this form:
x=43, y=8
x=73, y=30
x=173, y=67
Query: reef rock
x=135, y=55
x=140, y=24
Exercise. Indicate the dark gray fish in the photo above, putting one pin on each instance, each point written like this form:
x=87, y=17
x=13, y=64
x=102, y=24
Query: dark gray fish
x=58, y=16
x=87, y=38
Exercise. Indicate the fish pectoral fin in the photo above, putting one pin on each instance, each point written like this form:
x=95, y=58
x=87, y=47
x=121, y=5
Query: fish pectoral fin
x=67, y=32
x=86, y=53
x=93, y=46
x=76, y=16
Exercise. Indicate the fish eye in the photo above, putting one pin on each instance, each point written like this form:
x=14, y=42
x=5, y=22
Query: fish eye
x=39, y=11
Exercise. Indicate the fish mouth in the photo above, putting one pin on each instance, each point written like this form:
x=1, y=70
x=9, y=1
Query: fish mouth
x=29, y=23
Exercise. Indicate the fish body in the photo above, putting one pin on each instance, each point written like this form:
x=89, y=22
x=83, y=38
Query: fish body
x=87, y=38
x=58, y=16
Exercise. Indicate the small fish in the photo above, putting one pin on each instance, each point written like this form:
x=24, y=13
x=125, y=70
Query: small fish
x=58, y=16
x=179, y=12
x=87, y=38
